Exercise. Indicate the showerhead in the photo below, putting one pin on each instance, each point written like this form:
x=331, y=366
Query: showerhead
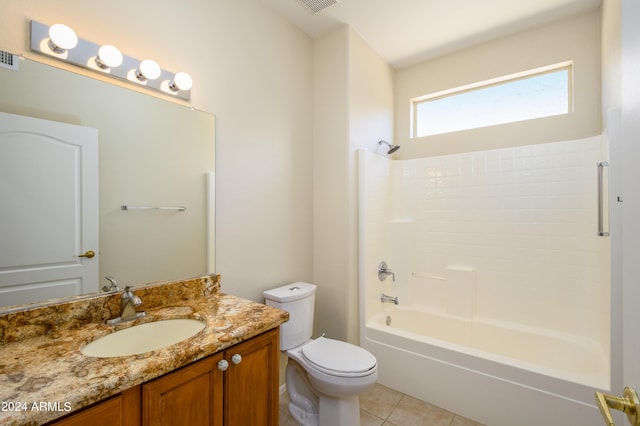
x=392, y=148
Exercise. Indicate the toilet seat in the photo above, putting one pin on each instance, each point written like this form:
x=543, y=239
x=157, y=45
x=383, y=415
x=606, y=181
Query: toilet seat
x=338, y=358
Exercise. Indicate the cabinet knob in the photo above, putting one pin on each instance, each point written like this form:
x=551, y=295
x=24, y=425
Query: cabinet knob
x=236, y=359
x=223, y=365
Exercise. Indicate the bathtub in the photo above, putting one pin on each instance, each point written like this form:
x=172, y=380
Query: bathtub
x=498, y=373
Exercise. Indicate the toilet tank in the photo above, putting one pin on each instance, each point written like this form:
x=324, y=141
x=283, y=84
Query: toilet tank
x=298, y=299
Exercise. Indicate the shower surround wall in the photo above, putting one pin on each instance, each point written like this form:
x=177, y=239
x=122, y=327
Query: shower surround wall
x=513, y=231
x=500, y=240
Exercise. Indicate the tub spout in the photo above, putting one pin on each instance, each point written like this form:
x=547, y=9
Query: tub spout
x=388, y=299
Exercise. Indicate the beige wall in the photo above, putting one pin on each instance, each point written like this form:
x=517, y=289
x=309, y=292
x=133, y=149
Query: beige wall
x=370, y=118
x=576, y=39
x=252, y=70
x=611, y=57
x=353, y=108
x=330, y=191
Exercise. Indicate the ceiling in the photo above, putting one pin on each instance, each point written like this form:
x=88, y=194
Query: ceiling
x=405, y=32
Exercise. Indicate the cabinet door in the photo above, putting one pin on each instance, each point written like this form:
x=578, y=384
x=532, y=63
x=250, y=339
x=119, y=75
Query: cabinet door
x=251, y=382
x=189, y=396
x=121, y=410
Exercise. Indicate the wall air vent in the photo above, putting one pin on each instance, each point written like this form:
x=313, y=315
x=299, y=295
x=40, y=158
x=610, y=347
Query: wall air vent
x=315, y=6
x=8, y=60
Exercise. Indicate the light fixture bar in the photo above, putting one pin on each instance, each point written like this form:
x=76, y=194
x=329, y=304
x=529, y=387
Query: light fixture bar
x=84, y=55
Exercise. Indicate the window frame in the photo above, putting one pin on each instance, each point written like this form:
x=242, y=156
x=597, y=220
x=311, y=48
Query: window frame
x=562, y=66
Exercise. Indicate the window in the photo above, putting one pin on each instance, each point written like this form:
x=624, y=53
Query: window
x=537, y=93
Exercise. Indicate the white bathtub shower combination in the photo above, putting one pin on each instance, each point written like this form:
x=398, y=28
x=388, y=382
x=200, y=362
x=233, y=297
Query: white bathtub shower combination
x=503, y=285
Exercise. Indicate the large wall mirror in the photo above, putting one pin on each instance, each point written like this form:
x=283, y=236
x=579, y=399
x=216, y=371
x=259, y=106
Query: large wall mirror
x=151, y=153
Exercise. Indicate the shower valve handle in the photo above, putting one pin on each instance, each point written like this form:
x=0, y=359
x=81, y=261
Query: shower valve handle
x=384, y=272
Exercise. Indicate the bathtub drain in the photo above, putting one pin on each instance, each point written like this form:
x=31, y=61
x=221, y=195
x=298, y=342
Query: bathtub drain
x=388, y=319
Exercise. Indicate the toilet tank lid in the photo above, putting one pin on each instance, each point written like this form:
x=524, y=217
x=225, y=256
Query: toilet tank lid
x=290, y=292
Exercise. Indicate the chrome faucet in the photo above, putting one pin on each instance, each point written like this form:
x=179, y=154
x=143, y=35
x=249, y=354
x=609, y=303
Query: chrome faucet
x=384, y=271
x=129, y=303
x=113, y=284
x=388, y=299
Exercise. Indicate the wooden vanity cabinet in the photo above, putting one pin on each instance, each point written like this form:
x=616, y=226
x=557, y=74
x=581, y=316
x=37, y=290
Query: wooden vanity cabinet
x=251, y=394
x=120, y=410
x=235, y=387
x=191, y=396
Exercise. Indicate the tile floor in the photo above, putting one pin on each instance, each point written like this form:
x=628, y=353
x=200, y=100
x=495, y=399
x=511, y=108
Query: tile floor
x=383, y=406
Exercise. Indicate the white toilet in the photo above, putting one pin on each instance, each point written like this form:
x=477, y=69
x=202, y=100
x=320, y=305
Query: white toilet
x=324, y=376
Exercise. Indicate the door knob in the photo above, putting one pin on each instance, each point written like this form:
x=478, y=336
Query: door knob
x=223, y=365
x=236, y=359
x=89, y=254
x=628, y=404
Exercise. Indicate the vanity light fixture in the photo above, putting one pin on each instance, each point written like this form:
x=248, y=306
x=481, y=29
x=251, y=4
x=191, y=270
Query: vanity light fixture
x=181, y=81
x=108, y=57
x=61, y=38
x=61, y=42
x=148, y=70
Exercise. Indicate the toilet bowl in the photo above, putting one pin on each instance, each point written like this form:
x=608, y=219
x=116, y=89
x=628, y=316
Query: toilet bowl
x=324, y=376
x=324, y=380
x=336, y=368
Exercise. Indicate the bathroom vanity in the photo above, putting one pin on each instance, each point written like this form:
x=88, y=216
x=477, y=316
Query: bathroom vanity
x=200, y=393
x=225, y=374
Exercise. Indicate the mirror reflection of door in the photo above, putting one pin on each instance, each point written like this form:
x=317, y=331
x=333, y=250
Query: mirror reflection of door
x=48, y=209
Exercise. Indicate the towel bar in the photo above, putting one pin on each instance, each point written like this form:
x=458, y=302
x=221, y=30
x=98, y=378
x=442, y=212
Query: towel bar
x=128, y=207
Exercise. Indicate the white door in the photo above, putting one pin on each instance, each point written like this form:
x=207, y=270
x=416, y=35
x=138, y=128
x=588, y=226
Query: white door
x=625, y=249
x=631, y=192
x=48, y=209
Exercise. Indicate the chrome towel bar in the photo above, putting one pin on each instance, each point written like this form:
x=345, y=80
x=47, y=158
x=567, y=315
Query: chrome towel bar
x=127, y=207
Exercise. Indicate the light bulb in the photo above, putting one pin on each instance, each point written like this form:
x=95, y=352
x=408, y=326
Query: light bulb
x=148, y=70
x=62, y=38
x=181, y=81
x=108, y=56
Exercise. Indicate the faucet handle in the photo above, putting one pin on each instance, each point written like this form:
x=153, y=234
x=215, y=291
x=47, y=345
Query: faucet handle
x=128, y=294
x=113, y=284
x=384, y=272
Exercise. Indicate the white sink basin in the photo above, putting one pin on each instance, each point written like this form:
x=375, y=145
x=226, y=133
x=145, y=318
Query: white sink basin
x=143, y=338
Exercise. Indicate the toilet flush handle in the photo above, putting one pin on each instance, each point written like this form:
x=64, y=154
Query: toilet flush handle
x=628, y=404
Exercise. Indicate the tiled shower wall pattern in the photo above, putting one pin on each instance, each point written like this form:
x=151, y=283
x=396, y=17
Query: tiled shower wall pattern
x=521, y=221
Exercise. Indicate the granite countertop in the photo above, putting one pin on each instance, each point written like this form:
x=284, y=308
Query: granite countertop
x=43, y=374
